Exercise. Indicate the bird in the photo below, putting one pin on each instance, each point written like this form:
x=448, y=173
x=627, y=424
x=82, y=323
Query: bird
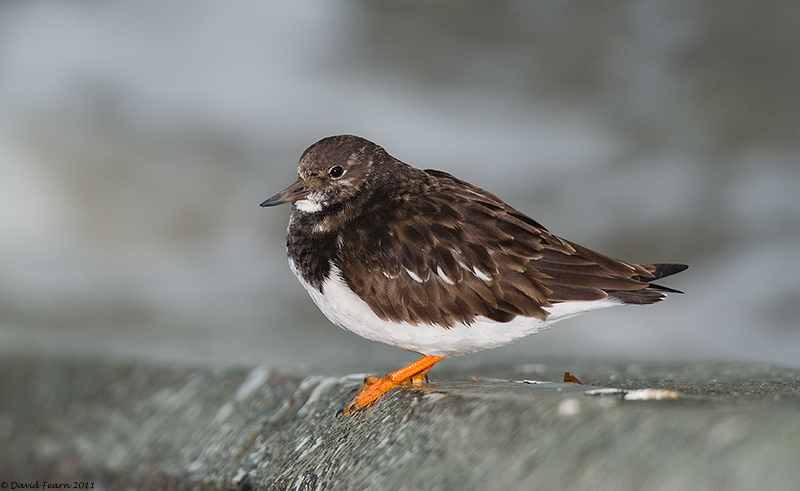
x=426, y=262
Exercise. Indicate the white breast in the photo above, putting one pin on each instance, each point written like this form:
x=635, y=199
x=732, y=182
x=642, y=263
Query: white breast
x=347, y=310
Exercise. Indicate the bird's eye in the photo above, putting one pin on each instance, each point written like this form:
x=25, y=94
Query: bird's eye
x=336, y=172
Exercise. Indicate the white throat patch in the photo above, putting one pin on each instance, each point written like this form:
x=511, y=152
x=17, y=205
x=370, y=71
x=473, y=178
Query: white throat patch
x=308, y=206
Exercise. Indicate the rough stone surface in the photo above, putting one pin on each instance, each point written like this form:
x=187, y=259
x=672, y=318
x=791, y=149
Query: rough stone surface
x=138, y=426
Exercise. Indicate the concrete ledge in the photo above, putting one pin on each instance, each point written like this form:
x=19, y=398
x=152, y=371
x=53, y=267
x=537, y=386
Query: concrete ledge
x=126, y=426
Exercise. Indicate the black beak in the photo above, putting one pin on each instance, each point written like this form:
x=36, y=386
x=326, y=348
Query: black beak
x=295, y=192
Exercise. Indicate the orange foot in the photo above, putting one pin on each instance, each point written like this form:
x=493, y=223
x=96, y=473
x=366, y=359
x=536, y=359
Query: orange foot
x=374, y=387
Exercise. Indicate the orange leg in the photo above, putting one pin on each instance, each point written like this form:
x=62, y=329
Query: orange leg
x=413, y=374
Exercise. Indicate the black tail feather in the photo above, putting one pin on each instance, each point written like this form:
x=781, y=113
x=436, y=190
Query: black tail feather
x=662, y=288
x=652, y=293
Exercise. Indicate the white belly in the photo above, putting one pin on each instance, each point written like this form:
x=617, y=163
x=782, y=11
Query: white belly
x=347, y=310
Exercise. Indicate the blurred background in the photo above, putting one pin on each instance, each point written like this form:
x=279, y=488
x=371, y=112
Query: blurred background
x=138, y=138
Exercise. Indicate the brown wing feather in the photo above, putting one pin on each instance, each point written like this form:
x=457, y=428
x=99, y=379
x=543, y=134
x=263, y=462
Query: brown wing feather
x=456, y=252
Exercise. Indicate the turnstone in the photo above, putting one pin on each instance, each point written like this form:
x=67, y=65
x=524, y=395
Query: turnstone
x=424, y=261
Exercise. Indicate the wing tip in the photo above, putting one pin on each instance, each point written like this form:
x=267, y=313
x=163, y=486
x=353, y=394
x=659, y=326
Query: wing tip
x=668, y=269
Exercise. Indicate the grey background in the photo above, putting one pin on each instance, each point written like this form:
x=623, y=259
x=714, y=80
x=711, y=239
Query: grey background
x=137, y=139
